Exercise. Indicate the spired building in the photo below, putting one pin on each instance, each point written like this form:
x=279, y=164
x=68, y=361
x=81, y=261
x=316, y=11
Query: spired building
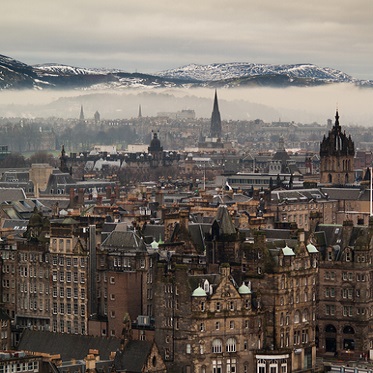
x=215, y=129
x=337, y=155
x=213, y=141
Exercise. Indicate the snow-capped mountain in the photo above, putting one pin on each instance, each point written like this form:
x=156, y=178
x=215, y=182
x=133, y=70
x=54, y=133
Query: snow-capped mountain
x=18, y=75
x=228, y=71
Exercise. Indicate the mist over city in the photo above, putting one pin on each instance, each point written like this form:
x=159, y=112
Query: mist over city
x=301, y=105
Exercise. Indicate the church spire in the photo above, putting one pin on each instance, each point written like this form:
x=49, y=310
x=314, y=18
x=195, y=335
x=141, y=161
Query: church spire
x=140, y=114
x=81, y=116
x=215, y=128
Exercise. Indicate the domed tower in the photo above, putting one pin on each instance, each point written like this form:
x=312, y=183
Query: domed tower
x=337, y=157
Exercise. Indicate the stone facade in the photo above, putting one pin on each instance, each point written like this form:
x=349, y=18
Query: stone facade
x=337, y=157
x=345, y=299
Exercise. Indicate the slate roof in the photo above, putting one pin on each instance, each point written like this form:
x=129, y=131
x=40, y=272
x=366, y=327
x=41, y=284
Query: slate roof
x=123, y=240
x=134, y=356
x=343, y=193
x=69, y=346
x=224, y=220
x=12, y=194
x=15, y=224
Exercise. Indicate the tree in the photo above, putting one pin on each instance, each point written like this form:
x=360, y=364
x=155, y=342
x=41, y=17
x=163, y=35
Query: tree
x=13, y=160
x=42, y=157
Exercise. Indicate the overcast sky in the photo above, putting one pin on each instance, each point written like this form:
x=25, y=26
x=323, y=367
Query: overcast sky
x=154, y=35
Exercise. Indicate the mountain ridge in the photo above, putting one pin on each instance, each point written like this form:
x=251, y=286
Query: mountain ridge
x=15, y=74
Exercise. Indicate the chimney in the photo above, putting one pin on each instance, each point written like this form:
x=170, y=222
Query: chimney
x=117, y=192
x=81, y=196
x=90, y=363
x=72, y=195
x=99, y=200
x=108, y=192
x=184, y=219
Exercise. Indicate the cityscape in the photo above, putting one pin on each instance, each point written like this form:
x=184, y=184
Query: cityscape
x=186, y=187
x=172, y=243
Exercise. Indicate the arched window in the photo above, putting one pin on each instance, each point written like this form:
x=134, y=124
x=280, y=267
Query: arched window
x=305, y=315
x=296, y=317
x=348, y=330
x=330, y=329
x=217, y=346
x=230, y=346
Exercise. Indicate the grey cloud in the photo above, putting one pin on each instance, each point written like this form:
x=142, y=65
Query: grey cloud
x=162, y=34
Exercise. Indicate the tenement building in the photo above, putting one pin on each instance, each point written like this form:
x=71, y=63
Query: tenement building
x=345, y=299
x=250, y=307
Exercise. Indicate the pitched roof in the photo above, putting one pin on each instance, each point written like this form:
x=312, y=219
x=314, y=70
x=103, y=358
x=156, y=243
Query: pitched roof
x=69, y=346
x=134, y=356
x=12, y=194
x=224, y=220
x=123, y=240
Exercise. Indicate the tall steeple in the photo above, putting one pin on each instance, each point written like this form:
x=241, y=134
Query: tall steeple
x=81, y=116
x=215, y=129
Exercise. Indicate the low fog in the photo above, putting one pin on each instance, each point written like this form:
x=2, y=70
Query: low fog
x=301, y=105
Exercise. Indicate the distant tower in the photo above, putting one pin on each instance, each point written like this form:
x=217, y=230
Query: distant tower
x=63, y=160
x=140, y=115
x=156, y=150
x=96, y=116
x=337, y=156
x=215, y=129
x=81, y=116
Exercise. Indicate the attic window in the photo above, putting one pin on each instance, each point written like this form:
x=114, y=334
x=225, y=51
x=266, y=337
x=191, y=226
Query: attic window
x=348, y=256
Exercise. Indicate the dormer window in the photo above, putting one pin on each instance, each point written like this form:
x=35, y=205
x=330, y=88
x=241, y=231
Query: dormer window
x=330, y=255
x=206, y=286
x=348, y=255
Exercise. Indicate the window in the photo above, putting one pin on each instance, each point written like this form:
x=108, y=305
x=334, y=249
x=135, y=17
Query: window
x=231, y=365
x=217, y=346
x=231, y=324
x=348, y=256
x=296, y=317
x=217, y=366
x=217, y=325
x=202, y=327
x=218, y=306
x=230, y=346
x=347, y=310
x=188, y=349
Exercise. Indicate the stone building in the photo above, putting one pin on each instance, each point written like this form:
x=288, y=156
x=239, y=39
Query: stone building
x=124, y=274
x=345, y=300
x=337, y=157
x=248, y=305
x=69, y=277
